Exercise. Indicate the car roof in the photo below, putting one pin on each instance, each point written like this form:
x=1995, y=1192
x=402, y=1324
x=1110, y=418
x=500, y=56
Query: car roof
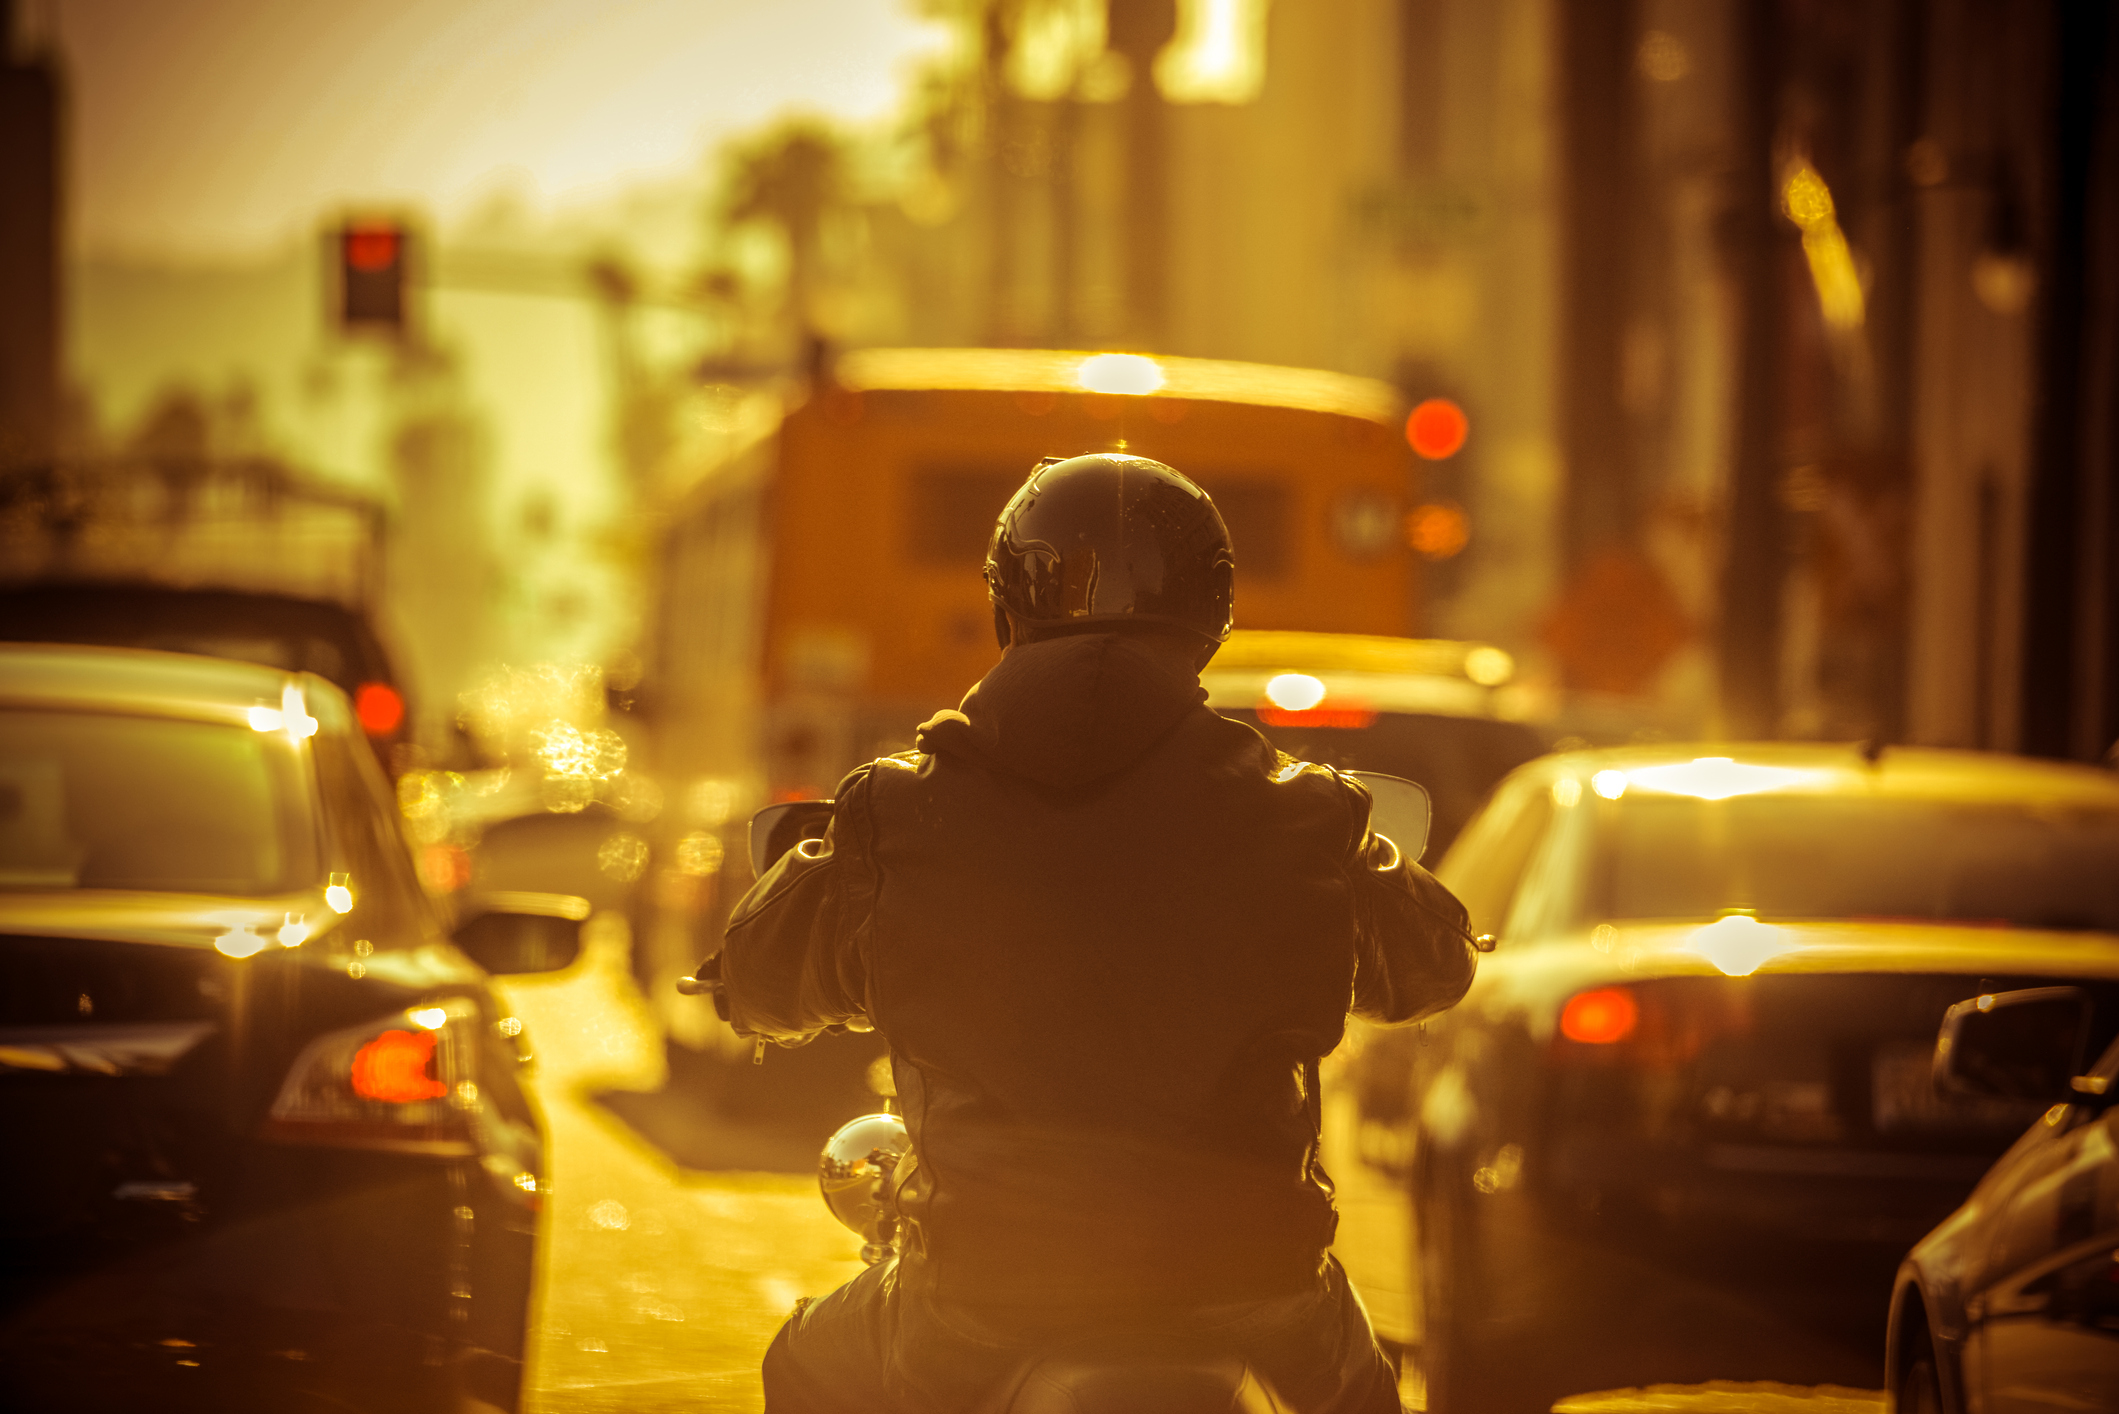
x=141, y=681
x=1718, y=770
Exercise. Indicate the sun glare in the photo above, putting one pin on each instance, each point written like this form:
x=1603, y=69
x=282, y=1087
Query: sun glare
x=1294, y=692
x=1714, y=778
x=1129, y=374
x=1739, y=944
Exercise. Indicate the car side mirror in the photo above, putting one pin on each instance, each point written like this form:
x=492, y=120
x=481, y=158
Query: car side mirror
x=2022, y=1045
x=779, y=828
x=509, y=934
x=1401, y=811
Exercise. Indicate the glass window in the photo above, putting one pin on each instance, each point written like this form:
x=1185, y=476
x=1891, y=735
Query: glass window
x=1256, y=510
x=952, y=511
x=1458, y=759
x=1486, y=867
x=103, y=801
x=390, y=908
x=1791, y=856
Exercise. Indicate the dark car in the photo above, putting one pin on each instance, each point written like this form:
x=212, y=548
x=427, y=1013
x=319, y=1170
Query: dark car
x=1684, y=1126
x=2013, y=1302
x=319, y=636
x=1425, y=709
x=267, y=1144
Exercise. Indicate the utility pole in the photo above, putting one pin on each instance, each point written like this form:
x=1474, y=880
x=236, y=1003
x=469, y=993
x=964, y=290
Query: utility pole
x=1756, y=534
x=1138, y=29
x=1597, y=142
x=29, y=253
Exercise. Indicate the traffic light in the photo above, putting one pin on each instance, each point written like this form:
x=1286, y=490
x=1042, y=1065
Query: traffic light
x=372, y=256
x=1437, y=429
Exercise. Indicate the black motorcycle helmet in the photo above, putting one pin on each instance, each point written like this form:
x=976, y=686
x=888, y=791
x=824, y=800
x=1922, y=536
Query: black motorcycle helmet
x=1111, y=539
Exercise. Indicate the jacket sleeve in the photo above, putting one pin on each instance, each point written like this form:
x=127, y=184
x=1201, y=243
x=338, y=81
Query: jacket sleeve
x=792, y=960
x=1413, y=953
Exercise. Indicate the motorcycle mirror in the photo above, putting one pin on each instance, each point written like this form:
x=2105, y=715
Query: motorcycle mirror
x=779, y=828
x=514, y=933
x=1402, y=811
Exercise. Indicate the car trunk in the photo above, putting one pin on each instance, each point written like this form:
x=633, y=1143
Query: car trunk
x=1801, y=1103
x=146, y=1235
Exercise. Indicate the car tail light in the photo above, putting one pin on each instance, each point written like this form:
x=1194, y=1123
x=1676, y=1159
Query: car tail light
x=1600, y=1017
x=1343, y=718
x=380, y=708
x=405, y=1082
x=1655, y=1025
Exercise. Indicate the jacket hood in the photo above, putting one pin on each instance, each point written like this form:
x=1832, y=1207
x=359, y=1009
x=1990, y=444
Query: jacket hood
x=1068, y=711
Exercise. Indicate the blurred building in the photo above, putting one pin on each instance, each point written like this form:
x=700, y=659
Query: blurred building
x=1786, y=329
x=1358, y=185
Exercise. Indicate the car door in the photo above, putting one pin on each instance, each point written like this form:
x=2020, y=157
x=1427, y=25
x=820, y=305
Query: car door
x=2046, y=1319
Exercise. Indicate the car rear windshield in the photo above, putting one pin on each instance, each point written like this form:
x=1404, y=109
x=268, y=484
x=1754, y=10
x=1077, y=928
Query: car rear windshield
x=1458, y=759
x=1793, y=857
x=95, y=801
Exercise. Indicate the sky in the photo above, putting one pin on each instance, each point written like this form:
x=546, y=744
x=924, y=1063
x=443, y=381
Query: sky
x=216, y=129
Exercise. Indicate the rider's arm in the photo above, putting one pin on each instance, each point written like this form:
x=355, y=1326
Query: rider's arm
x=791, y=961
x=1413, y=952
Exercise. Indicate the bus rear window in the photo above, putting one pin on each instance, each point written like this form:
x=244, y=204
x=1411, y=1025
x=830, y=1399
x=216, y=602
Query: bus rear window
x=1256, y=512
x=951, y=511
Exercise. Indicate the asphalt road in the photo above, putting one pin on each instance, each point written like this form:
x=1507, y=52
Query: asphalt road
x=661, y=1285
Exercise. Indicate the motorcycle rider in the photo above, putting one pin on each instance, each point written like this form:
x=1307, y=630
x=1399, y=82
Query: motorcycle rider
x=1107, y=933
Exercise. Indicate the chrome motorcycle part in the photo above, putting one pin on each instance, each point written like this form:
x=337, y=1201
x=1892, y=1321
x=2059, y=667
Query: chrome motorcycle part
x=856, y=1173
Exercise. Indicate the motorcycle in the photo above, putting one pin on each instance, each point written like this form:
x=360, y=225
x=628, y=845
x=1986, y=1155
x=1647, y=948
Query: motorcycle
x=865, y=1163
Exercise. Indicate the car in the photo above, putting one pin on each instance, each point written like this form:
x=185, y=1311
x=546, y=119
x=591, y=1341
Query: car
x=268, y=1143
x=330, y=639
x=2012, y=1302
x=1437, y=711
x=1683, y=1126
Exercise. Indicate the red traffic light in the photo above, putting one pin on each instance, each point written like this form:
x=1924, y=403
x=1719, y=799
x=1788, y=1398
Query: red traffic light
x=371, y=275
x=372, y=248
x=1437, y=429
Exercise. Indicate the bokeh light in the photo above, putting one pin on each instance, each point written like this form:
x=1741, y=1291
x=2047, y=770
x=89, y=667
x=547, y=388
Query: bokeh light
x=1437, y=429
x=1438, y=530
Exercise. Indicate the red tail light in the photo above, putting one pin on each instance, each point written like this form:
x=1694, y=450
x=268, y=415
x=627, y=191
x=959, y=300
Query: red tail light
x=1600, y=1017
x=406, y=1081
x=1347, y=718
x=379, y=708
x=396, y=1068
x=409, y=1083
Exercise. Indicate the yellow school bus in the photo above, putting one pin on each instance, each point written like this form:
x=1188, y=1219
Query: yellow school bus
x=819, y=590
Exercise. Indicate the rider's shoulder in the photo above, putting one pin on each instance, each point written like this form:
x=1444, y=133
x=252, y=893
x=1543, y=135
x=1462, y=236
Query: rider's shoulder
x=1310, y=777
x=903, y=761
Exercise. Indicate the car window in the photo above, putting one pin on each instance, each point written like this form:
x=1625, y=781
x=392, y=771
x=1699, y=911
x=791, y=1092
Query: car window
x=1485, y=867
x=390, y=908
x=1458, y=759
x=106, y=801
x=1821, y=856
x=1550, y=897
x=294, y=652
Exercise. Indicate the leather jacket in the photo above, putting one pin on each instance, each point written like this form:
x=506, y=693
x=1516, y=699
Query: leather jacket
x=1107, y=933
